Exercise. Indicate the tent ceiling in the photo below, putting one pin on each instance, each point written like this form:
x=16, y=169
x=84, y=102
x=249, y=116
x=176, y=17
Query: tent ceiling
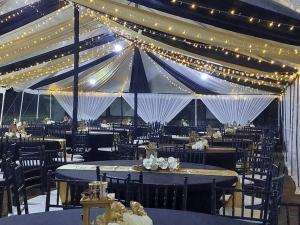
x=201, y=53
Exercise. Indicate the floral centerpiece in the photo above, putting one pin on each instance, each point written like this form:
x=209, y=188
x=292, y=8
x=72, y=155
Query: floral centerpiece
x=104, y=124
x=151, y=149
x=153, y=163
x=48, y=121
x=17, y=130
x=193, y=137
x=83, y=127
x=115, y=212
x=200, y=145
x=230, y=130
x=119, y=215
x=217, y=135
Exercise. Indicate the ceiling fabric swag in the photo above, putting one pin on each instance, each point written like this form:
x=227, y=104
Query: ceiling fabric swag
x=238, y=108
x=90, y=105
x=196, y=32
x=159, y=107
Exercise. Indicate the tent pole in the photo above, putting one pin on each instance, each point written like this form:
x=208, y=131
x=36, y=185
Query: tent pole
x=76, y=66
x=196, y=113
x=135, y=111
x=21, y=107
x=122, y=116
x=2, y=107
x=50, y=107
x=37, y=106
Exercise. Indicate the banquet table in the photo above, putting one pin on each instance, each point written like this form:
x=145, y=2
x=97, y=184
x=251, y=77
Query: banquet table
x=244, y=143
x=199, y=185
x=224, y=157
x=158, y=216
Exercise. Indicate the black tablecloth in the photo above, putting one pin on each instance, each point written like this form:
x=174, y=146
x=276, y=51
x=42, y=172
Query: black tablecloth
x=224, y=159
x=96, y=139
x=199, y=185
x=159, y=217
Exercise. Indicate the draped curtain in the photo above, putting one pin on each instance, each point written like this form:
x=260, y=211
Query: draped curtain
x=158, y=107
x=291, y=136
x=238, y=108
x=90, y=106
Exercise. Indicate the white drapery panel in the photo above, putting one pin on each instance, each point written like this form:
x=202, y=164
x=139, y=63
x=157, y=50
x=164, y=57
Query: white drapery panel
x=291, y=133
x=238, y=108
x=90, y=106
x=158, y=107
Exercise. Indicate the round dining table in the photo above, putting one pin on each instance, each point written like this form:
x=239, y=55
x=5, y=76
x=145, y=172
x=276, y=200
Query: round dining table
x=158, y=216
x=199, y=185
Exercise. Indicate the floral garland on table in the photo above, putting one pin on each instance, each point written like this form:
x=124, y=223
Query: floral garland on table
x=153, y=163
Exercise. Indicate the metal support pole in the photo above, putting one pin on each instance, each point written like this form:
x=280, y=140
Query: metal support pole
x=37, y=106
x=135, y=110
x=196, y=113
x=2, y=107
x=50, y=113
x=76, y=66
x=122, y=113
x=21, y=107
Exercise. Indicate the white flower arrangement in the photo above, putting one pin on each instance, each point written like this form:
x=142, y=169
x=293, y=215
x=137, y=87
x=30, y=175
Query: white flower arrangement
x=200, y=145
x=230, y=130
x=154, y=163
x=217, y=135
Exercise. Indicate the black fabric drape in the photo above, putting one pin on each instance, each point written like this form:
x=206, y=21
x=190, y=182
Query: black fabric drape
x=139, y=82
x=63, y=76
x=230, y=22
x=58, y=53
x=180, y=77
x=27, y=14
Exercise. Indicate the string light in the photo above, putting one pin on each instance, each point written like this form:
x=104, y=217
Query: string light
x=189, y=42
x=47, y=69
x=196, y=64
x=232, y=12
x=275, y=76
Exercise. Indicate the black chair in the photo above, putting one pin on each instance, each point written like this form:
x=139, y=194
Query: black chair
x=32, y=160
x=119, y=186
x=256, y=171
x=9, y=149
x=291, y=213
x=36, y=130
x=260, y=215
x=276, y=197
x=127, y=152
x=80, y=144
x=164, y=196
x=192, y=156
x=68, y=192
x=7, y=182
x=19, y=189
x=53, y=159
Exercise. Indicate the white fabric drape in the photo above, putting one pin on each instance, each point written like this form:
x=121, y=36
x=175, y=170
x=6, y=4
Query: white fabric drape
x=158, y=107
x=238, y=108
x=90, y=106
x=291, y=135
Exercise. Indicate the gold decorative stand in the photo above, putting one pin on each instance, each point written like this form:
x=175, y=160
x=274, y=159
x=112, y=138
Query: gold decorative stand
x=87, y=204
